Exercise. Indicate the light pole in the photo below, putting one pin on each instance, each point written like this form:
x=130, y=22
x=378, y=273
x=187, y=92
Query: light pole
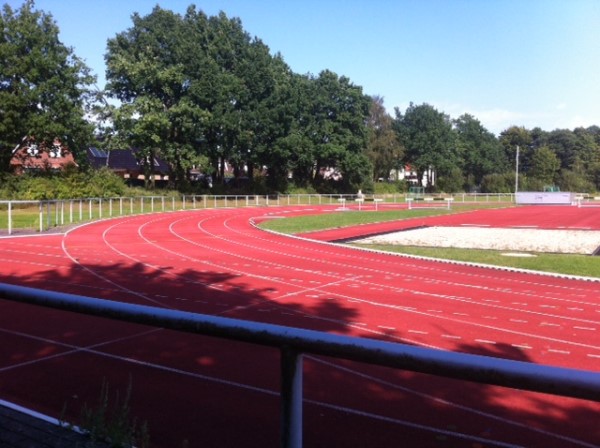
x=517, y=172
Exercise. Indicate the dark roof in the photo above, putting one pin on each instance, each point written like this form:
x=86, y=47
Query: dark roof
x=123, y=160
x=97, y=157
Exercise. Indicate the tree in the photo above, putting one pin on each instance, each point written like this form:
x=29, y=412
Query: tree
x=563, y=142
x=521, y=137
x=479, y=150
x=194, y=85
x=383, y=148
x=544, y=165
x=286, y=148
x=147, y=72
x=336, y=126
x=45, y=88
x=429, y=140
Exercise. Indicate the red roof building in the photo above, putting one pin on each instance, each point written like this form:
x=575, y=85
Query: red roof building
x=29, y=156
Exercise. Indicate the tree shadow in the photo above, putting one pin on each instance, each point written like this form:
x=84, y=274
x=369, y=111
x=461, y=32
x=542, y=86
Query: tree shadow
x=50, y=359
x=463, y=413
x=216, y=392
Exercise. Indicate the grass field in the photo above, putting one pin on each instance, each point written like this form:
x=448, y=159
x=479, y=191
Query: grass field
x=583, y=265
x=570, y=264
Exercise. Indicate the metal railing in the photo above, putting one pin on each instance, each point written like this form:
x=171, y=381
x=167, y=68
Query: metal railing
x=44, y=215
x=293, y=343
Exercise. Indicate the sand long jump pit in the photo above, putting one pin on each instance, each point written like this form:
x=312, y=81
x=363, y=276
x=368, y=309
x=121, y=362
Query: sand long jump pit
x=520, y=240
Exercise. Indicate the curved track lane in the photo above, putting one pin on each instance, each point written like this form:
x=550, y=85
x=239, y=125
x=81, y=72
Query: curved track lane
x=217, y=262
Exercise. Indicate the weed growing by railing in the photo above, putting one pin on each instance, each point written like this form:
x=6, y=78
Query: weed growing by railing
x=110, y=424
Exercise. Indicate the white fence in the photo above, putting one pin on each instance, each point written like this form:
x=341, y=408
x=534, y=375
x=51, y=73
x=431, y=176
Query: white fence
x=40, y=216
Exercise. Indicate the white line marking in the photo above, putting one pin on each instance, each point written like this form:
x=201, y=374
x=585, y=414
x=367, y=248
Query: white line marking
x=523, y=346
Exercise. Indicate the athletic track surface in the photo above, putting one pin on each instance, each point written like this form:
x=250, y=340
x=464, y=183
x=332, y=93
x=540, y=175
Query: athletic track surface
x=215, y=393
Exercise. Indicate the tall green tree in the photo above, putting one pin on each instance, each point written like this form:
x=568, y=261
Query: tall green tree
x=336, y=125
x=45, y=89
x=383, y=149
x=286, y=148
x=564, y=144
x=428, y=139
x=147, y=72
x=194, y=85
x=513, y=137
x=545, y=165
x=479, y=150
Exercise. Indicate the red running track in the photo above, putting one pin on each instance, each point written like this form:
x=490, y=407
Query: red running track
x=219, y=393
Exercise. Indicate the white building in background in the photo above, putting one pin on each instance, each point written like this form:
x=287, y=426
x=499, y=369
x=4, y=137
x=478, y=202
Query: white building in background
x=409, y=175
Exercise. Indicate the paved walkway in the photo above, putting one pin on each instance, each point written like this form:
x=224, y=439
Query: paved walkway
x=19, y=430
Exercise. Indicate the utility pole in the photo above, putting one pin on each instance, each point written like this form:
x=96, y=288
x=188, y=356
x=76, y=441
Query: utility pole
x=517, y=172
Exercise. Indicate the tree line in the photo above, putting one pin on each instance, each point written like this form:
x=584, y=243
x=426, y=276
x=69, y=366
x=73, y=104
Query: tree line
x=200, y=92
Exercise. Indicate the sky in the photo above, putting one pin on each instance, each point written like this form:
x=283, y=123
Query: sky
x=531, y=63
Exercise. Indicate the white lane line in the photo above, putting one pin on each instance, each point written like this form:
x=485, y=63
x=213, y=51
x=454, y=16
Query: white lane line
x=585, y=328
x=523, y=346
x=437, y=399
x=73, y=348
x=451, y=336
x=560, y=352
x=418, y=332
x=485, y=341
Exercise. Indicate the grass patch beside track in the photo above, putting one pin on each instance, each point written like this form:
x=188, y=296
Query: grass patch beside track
x=569, y=264
x=310, y=223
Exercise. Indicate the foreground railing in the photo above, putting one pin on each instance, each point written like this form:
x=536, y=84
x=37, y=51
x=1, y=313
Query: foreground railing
x=40, y=216
x=293, y=343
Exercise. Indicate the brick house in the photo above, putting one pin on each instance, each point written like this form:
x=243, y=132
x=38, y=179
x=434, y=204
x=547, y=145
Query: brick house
x=31, y=156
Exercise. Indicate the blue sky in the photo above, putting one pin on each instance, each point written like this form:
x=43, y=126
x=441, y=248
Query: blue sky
x=507, y=62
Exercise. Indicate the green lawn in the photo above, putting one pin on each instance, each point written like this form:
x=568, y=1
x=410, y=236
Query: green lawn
x=583, y=265
x=325, y=221
x=571, y=264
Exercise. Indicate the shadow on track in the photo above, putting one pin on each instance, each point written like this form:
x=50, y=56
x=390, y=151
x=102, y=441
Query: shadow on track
x=213, y=392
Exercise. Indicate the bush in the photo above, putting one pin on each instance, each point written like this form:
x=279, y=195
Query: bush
x=70, y=184
x=498, y=183
x=389, y=187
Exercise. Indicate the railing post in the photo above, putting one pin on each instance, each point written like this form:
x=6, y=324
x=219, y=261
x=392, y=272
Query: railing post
x=9, y=217
x=291, y=398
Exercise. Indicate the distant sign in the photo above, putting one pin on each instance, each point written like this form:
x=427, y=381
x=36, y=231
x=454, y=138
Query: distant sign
x=546, y=197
